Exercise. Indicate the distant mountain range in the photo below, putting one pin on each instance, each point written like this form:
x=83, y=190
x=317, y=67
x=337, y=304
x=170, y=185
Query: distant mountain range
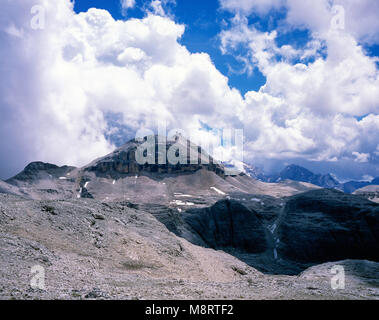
x=297, y=173
x=301, y=174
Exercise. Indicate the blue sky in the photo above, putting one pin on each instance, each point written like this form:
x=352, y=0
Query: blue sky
x=204, y=21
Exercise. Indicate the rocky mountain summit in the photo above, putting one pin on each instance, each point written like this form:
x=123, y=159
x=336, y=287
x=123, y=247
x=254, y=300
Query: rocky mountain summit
x=188, y=158
x=121, y=229
x=38, y=171
x=298, y=173
x=120, y=176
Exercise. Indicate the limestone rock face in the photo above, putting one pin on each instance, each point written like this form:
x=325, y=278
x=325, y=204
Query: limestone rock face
x=228, y=224
x=123, y=160
x=328, y=225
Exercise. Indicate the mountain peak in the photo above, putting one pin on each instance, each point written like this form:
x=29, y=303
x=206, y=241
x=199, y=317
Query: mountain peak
x=298, y=173
x=156, y=154
x=39, y=169
x=295, y=172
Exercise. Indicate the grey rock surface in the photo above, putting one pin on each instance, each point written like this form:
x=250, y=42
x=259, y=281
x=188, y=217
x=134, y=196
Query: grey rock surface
x=117, y=230
x=328, y=225
x=130, y=255
x=9, y=189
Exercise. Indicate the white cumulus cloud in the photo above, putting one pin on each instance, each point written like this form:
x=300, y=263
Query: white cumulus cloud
x=313, y=96
x=85, y=77
x=67, y=88
x=126, y=5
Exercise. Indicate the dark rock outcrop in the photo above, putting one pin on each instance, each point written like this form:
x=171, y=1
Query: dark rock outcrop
x=328, y=225
x=40, y=170
x=228, y=224
x=85, y=194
